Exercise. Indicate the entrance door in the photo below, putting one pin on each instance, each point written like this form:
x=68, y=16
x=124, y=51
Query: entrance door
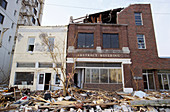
x=47, y=81
x=40, y=81
x=43, y=81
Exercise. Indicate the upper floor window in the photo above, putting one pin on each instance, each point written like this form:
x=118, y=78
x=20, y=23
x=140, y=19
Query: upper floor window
x=50, y=44
x=15, y=12
x=138, y=18
x=17, y=1
x=110, y=40
x=3, y=3
x=1, y=18
x=35, y=11
x=85, y=40
x=33, y=20
x=141, y=41
x=31, y=44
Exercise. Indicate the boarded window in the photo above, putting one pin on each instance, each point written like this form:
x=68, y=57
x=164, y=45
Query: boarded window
x=85, y=40
x=138, y=18
x=110, y=40
x=45, y=65
x=29, y=65
x=31, y=44
x=24, y=78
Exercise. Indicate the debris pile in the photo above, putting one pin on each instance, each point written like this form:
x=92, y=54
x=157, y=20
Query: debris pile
x=80, y=100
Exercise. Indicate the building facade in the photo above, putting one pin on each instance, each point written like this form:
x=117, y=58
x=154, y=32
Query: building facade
x=14, y=13
x=37, y=62
x=116, y=50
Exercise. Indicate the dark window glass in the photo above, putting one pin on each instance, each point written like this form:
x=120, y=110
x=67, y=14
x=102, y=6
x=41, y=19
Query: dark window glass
x=35, y=11
x=57, y=79
x=3, y=3
x=138, y=18
x=85, y=40
x=45, y=65
x=1, y=18
x=31, y=44
x=24, y=78
x=33, y=20
x=29, y=65
x=41, y=78
x=110, y=41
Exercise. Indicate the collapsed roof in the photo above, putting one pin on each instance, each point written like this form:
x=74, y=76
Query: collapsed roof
x=109, y=16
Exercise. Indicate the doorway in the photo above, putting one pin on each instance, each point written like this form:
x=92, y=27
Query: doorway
x=43, y=81
x=47, y=81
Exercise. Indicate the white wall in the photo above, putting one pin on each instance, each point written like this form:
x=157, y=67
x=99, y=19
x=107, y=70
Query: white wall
x=22, y=55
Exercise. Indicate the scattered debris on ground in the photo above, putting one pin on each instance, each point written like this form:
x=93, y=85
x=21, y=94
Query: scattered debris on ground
x=80, y=100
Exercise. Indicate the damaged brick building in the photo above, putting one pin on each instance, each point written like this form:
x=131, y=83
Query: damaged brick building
x=116, y=50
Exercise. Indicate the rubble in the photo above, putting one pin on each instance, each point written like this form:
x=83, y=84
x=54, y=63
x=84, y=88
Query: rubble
x=80, y=100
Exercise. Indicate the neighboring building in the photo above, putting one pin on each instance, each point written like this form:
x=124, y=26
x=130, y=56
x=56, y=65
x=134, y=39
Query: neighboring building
x=116, y=50
x=33, y=65
x=14, y=13
x=9, y=12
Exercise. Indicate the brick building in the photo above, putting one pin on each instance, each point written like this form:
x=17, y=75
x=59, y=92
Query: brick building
x=116, y=50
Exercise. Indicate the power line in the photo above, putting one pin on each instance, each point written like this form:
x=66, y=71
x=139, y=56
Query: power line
x=91, y=8
x=73, y=7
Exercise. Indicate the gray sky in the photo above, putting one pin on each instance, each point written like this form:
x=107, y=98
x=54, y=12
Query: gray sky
x=58, y=12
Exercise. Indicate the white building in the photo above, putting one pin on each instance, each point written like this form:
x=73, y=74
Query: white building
x=14, y=13
x=33, y=66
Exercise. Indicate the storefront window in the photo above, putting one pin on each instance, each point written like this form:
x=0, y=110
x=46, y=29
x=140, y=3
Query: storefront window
x=103, y=75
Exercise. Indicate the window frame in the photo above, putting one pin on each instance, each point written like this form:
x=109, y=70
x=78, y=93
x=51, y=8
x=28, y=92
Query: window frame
x=85, y=40
x=108, y=75
x=30, y=44
x=56, y=76
x=5, y=4
x=32, y=73
x=52, y=50
x=141, y=20
x=147, y=73
x=2, y=20
x=162, y=81
x=110, y=40
x=143, y=36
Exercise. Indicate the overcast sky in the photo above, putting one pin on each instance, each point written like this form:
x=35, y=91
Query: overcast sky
x=58, y=12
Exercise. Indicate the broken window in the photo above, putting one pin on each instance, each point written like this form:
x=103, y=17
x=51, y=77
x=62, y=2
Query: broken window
x=45, y=65
x=51, y=44
x=85, y=40
x=24, y=78
x=141, y=41
x=164, y=80
x=3, y=3
x=57, y=79
x=31, y=44
x=110, y=40
x=1, y=18
x=148, y=79
x=138, y=18
x=29, y=65
x=103, y=75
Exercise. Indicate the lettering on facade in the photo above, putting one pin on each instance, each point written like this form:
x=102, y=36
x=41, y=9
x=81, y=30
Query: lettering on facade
x=101, y=55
